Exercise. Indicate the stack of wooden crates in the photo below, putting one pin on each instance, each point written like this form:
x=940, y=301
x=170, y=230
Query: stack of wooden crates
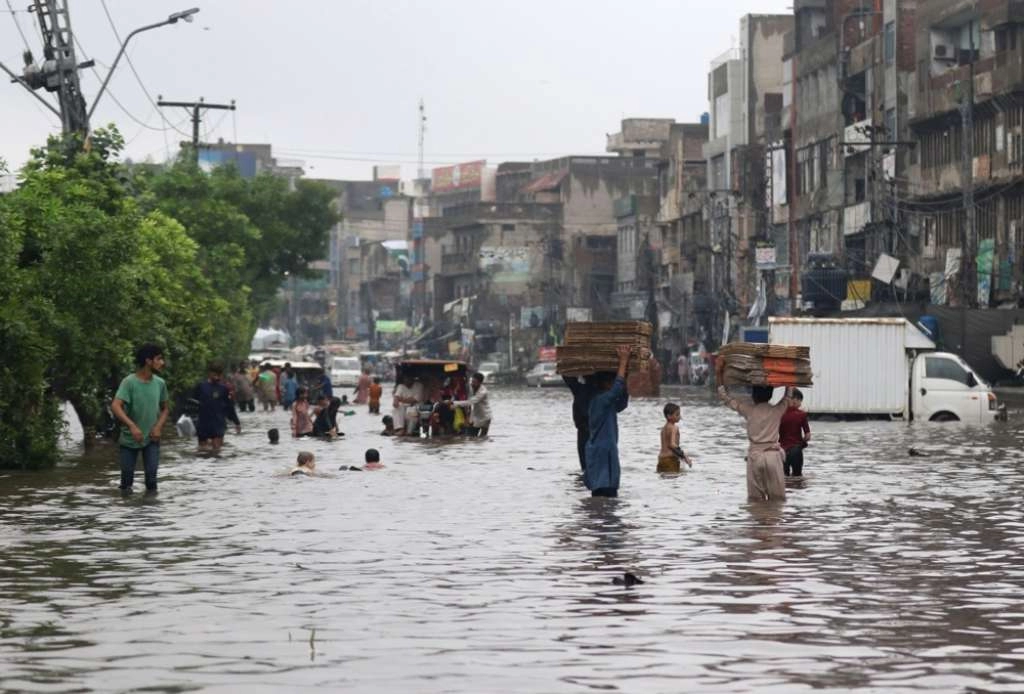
x=590, y=347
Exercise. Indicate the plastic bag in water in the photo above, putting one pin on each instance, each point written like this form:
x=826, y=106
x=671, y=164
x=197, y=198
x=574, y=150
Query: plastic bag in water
x=186, y=427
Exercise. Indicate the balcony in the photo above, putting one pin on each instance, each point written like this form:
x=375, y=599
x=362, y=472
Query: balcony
x=458, y=263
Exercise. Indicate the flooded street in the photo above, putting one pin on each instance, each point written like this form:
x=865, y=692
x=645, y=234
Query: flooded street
x=485, y=566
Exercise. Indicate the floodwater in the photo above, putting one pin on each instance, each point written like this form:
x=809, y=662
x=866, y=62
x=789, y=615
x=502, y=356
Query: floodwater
x=483, y=566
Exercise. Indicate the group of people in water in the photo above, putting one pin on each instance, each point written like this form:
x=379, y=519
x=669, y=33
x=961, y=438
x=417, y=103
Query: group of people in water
x=453, y=409
x=305, y=464
x=776, y=434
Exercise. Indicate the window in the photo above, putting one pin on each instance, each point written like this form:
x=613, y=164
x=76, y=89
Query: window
x=824, y=156
x=890, y=43
x=945, y=369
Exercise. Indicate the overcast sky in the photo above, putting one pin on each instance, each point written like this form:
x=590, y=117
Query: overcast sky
x=335, y=83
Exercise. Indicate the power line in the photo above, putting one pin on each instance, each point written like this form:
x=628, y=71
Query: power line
x=18, y=24
x=124, y=109
x=135, y=72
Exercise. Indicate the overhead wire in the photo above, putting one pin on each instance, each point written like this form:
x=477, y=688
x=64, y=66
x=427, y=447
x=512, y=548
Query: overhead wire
x=113, y=97
x=135, y=72
x=18, y=25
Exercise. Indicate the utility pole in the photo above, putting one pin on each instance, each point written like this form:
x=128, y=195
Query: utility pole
x=59, y=70
x=197, y=108
x=969, y=238
x=421, y=173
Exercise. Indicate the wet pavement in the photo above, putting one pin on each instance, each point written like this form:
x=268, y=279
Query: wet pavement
x=483, y=566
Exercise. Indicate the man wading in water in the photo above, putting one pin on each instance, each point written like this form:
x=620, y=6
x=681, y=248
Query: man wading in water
x=141, y=406
x=765, y=480
x=602, y=472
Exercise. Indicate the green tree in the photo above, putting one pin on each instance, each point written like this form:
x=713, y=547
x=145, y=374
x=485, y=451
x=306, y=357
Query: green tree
x=29, y=418
x=255, y=230
x=111, y=277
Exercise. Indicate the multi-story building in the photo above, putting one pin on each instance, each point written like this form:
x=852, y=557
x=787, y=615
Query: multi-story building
x=638, y=258
x=538, y=250
x=745, y=92
x=966, y=208
x=685, y=250
x=638, y=240
x=370, y=211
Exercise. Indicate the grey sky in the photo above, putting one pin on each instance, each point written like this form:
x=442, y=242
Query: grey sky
x=342, y=78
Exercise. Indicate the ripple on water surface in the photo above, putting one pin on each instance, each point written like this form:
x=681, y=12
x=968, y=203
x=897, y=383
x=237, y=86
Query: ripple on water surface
x=484, y=566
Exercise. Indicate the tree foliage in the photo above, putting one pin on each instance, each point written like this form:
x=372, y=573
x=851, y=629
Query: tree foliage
x=95, y=260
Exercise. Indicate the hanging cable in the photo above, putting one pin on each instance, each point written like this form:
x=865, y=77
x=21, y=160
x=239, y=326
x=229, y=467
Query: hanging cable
x=18, y=24
x=135, y=72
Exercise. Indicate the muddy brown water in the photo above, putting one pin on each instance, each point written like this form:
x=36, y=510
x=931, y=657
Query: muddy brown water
x=483, y=566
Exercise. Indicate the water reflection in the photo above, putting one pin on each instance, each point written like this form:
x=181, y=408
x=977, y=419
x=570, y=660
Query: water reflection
x=486, y=566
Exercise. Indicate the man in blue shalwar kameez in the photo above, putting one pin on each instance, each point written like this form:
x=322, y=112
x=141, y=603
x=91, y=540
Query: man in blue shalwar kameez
x=601, y=474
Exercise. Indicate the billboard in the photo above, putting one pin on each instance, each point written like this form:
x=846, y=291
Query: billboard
x=449, y=179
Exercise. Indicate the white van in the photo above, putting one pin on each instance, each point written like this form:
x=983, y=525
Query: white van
x=947, y=390
x=345, y=371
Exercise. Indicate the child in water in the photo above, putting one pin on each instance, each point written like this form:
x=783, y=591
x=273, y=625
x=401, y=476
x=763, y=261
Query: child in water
x=304, y=465
x=373, y=460
x=671, y=453
x=302, y=423
x=376, y=390
x=389, y=425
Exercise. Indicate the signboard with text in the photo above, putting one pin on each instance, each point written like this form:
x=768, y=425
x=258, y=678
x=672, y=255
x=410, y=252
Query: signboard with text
x=448, y=179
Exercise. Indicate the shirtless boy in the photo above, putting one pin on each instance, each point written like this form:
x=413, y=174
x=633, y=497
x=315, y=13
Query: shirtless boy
x=671, y=453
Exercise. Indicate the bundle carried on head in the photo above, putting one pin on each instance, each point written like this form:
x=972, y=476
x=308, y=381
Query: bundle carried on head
x=590, y=347
x=753, y=364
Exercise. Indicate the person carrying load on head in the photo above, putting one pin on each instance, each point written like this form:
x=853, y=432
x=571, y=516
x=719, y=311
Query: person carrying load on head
x=765, y=478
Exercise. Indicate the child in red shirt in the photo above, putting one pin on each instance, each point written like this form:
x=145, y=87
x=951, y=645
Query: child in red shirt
x=794, y=433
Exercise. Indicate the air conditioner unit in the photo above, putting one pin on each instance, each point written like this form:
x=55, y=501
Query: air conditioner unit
x=943, y=51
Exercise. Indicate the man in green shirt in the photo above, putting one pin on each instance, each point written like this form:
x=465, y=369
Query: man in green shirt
x=141, y=406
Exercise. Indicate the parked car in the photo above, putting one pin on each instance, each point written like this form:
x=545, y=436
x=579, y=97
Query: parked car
x=345, y=371
x=543, y=374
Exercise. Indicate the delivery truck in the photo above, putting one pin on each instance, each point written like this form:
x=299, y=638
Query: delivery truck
x=885, y=367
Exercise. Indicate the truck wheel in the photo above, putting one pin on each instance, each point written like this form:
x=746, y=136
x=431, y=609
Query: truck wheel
x=945, y=417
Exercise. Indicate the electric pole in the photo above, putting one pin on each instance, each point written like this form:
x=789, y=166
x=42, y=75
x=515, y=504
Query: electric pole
x=969, y=238
x=421, y=172
x=197, y=108
x=59, y=70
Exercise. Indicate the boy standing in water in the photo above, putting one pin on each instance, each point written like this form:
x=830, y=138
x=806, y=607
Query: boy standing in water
x=671, y=453
x=794, y=433
x=141, y=406
x=602, y=472
x=376, y=390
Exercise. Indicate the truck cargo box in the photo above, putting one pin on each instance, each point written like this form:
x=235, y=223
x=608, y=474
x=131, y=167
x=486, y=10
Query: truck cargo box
x=860, y=366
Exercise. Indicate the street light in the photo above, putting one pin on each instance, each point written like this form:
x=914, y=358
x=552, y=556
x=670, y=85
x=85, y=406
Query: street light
x=187, y=15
